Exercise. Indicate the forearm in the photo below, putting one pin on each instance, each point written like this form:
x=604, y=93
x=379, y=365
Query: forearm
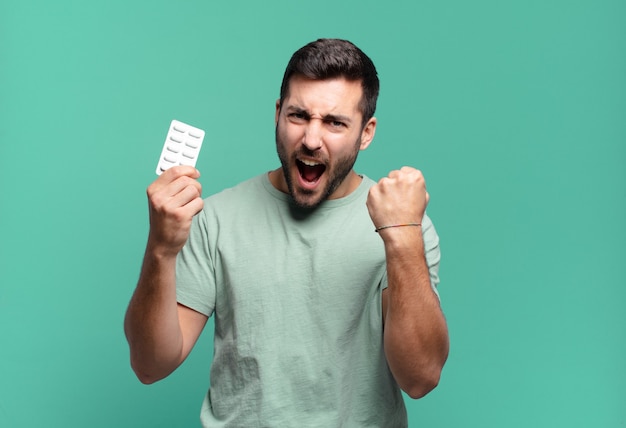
x=152, y=325
x=415, y=335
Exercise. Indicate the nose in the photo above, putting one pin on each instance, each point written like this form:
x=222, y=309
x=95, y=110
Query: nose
x=312, y=138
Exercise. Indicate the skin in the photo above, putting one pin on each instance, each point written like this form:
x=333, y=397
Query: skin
x=415, y=332
x=160, y=331
x=318, y=123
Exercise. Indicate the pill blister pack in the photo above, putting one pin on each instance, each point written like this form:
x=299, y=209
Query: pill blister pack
x=181, y=147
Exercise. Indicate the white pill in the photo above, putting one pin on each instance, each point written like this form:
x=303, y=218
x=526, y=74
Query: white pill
x=182, y=146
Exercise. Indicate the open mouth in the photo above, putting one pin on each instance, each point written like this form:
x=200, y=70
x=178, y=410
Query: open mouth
x=310, y=171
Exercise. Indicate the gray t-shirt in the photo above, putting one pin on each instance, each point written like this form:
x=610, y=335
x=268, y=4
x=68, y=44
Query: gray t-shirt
x=296, y=296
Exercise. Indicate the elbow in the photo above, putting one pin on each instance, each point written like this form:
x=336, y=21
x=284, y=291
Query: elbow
x=427, y=378
x=420, y=379
x=422, y=388
x=148, y=366
x=145, y=378
x=145, y=375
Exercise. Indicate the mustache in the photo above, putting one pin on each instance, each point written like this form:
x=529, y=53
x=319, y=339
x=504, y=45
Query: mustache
x=301, y=150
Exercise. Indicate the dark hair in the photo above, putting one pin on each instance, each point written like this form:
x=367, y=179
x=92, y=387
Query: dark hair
x=332, y=58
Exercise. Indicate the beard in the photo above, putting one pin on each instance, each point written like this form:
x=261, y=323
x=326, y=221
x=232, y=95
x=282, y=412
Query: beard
x=336, y=172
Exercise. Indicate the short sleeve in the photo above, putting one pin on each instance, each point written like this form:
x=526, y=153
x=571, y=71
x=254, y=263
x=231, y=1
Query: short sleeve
x=432, y=251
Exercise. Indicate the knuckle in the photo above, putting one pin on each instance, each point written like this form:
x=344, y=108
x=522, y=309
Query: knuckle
x=169, y=173
x=177, y=170
x=182, y=216
x=179, y=216
x=184, y=179
x=188, y=181
x=371, y=194
x=193, y=192
x=191, y=188
x=152, y=189
x=157, y=201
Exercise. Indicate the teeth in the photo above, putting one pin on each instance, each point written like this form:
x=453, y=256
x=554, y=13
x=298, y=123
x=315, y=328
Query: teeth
x=309, y=163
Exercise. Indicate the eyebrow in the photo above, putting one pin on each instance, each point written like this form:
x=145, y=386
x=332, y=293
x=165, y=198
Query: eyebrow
x=328, y=118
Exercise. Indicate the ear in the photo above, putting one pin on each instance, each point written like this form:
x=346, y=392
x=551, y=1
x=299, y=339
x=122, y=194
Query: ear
x=367, y=135
x=277, y=111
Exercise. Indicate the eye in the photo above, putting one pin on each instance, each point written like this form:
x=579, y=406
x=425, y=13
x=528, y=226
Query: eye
x=297, y=117
x=336, y=124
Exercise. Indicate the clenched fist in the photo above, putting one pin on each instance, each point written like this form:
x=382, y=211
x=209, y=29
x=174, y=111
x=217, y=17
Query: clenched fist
x=174, y=198
x=399, y=198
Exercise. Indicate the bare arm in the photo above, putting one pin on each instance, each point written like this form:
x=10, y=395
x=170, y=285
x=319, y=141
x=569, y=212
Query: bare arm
x=160, y=332
x=415, y=331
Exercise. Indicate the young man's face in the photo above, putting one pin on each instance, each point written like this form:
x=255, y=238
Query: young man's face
x=319, y=132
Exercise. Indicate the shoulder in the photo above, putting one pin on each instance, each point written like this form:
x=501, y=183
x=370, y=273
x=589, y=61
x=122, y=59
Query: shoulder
x=247, y=199
x=243, y=187
x=243, y=193
x=367, y=182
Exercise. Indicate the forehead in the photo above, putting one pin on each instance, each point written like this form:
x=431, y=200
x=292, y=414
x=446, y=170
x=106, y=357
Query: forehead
x=324, y=96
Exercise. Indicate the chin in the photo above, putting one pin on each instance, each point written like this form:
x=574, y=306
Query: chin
x=306, y=200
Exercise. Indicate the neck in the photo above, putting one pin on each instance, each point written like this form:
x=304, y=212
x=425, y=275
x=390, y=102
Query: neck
x=278, y=180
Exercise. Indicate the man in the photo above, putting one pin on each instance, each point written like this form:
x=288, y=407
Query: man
x=319, y=321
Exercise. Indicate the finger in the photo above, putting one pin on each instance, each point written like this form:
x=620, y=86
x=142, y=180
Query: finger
x=175, y=195
x=172, y=174
x=393, y=174
x=195, y=206
x=181, y=213
x=181, y=170
x=180, y=184
x=184, y=196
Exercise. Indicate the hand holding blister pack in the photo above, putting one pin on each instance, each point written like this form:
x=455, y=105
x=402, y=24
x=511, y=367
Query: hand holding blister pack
x=182, y=146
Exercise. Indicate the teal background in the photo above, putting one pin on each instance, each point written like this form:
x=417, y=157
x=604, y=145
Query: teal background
x=515, y=111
